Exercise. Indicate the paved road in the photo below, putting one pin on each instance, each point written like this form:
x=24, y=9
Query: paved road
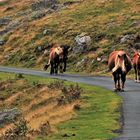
x=131, y=97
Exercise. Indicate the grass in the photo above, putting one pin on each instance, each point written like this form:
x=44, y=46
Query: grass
x=108, y=20
x=97, y=118
x=95, y=121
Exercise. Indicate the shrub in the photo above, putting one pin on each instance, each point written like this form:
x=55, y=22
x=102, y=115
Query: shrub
x=72, y=92
x=18, y=132
x=58, y=84
x=45, y=128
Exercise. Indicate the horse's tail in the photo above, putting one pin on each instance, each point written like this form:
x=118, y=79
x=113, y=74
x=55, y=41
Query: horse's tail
x=47, y=65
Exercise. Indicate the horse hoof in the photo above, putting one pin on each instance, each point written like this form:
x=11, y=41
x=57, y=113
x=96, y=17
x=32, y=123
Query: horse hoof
x=122, y=90
x=119, y=89
x=115, y=90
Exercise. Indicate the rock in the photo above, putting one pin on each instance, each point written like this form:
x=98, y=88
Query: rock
x=12, y=26
x=111, y=25
x=127, y=38
x=8, y=115
x=65, y=135
x=43, y=4
x=38, y=15
x=135, y=23
x=137, y=46
x=99, y=59
x=104, y=60
x=81, y=63
x=82, y=42
x=4, y=21
x=2, y=42
x=79, y=49
x=39, y=49
x=46, y=32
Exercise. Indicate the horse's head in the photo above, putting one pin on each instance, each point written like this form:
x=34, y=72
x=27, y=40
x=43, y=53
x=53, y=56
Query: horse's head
x=66, y=49
x=122, y=62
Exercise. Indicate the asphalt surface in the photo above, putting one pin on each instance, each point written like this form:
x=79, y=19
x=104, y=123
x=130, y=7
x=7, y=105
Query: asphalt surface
x=131, y=97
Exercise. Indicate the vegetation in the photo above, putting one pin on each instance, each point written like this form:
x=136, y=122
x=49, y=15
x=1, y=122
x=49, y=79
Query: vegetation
x=105, y=21
x=74, y=111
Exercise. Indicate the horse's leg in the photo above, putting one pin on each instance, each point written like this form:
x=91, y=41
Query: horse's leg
x=56, y=68
x=52, y=68
x=60, y=67
x=115, y=80
x=123, y=79
x=136, y=75
x=65, y=64
x=119, y=85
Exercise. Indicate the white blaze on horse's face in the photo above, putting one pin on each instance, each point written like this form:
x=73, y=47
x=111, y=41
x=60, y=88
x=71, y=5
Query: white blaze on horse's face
x=120, y=63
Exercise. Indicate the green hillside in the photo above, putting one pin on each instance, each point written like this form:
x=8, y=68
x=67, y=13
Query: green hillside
x=27, y=24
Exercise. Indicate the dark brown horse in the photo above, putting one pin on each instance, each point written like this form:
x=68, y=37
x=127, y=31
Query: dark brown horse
x=136, y=65
x=120, y=64
x=57, y=58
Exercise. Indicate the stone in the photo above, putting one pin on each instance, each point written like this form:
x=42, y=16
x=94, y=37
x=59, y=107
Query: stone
x=8, y=115
x=127, y=38
x=82, y=42
x=43, y=4
x=38, y=15
x=2, y=42
x=4, y=21
x=135, y=23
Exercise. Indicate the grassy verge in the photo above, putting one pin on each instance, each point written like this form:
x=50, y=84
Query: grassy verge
x=97, y=118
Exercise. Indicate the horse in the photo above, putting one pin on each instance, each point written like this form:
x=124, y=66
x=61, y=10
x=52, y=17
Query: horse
x=57, y=58
x=136, y=65
x=120, y=64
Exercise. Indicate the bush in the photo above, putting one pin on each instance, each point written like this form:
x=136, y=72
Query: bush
x=58, y=84
x=45, y=128
x=72, y=92
x=19, y=76
x=18, y=132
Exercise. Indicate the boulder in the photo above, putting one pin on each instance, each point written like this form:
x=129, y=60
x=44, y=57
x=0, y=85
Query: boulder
x=82, y=42
x=127, y=38
x=4, y=21
x=10, y=27
x=8, y=115
x=43, y=4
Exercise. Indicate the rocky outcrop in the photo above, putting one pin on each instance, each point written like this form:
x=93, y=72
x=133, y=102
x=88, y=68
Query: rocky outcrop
x=43, y=4
x=8, y=115
x=4, y=21
x=10, y=27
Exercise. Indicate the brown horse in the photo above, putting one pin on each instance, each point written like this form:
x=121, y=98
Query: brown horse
x=57, y=58
x=136, y=65
x=120, y=64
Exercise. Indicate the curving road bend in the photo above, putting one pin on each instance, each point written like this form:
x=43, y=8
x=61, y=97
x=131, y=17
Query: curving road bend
x=131, y=97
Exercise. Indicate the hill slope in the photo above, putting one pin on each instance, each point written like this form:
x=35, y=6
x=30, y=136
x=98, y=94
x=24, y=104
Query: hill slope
x=28, y=26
